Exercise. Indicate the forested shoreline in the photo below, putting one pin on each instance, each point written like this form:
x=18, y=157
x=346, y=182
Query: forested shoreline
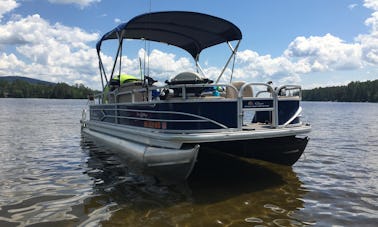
x=24, y=88
x=20, y=88
x=353, y=92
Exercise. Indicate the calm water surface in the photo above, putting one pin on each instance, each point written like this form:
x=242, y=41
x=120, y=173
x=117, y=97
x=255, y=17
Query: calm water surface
x=51, y=175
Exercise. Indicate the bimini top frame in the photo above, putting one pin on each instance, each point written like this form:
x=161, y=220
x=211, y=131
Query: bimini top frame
x=190, y=31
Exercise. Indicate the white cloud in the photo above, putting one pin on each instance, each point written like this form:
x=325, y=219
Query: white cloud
x=307, y=55
x=164, y=65
x=58, y=53
x=10, y=64
x=81, y=3
x=369, y=45
x=52, y=52
x=371, y=4
x=304, y=55
x=369, y=42
x=372, y=22
x=263, y=65
x=35, y=30
x=159, y=65
x=352, y=6
x=7, y=6
x=325, y=53
x=253, y=67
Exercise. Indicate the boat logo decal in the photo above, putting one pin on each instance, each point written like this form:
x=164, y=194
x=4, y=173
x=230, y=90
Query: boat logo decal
x=142, y=115
x=256, y=104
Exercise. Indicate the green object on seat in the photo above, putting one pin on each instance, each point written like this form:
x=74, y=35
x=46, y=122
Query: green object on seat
x=125, y=78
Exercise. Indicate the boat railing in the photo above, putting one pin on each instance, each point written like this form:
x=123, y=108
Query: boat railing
x=252, y=105
x=245, y=102
x=114, y=96
x=274, y=95
x=155, y=123
x=289, y=90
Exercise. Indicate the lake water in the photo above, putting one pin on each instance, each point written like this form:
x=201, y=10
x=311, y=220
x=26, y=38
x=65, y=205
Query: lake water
x=51, y=175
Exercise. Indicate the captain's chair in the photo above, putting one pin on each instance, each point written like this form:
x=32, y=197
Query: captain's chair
x=188, y=78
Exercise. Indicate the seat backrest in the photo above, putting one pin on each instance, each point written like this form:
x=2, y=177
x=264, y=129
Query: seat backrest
x=187, y=76
x=231, y=93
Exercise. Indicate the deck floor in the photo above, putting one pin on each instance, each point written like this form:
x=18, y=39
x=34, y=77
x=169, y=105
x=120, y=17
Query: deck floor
x=256, y=126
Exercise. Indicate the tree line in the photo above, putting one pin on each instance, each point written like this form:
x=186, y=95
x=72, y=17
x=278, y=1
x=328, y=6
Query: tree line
x=353, y=92
x=24, y=89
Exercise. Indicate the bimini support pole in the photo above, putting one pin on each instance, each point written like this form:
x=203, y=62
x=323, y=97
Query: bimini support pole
x=229, y=59
x=120, y=41
x=198, y=66
x=101, y=74
x=102, y=71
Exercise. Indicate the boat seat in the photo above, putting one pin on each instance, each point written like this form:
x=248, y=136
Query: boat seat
x=232, y=94
x=188, y=78
x=129, y=86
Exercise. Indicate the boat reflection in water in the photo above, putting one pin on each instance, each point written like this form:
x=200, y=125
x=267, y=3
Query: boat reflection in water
x=241, y=192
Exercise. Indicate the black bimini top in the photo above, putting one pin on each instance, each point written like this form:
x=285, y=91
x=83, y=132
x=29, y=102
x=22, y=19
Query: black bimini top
x=190, y=31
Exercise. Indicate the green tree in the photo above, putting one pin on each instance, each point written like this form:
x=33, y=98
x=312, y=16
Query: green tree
x=24, y=89
x=353, y=92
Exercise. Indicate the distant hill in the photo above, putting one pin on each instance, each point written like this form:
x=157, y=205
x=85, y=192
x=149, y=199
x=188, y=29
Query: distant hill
x=11, y=79
x=24, y=87
x=353, y=92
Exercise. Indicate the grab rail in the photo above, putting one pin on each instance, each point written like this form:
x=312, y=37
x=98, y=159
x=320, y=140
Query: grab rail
x=296, y=114
x=270, y=90
x=275, y=94
x=281, y=91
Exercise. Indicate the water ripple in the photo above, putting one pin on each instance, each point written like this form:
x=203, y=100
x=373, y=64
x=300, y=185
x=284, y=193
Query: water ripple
x=52, y=175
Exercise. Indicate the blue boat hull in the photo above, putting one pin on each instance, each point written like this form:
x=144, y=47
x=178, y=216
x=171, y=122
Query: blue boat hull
x=281, y=150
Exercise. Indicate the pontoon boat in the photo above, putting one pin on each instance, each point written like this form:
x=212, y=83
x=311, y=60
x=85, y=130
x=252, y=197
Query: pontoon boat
x=164, y=127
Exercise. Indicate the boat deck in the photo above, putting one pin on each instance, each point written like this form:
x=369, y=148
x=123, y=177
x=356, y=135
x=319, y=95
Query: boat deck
x=256, y=126
x=250, y=131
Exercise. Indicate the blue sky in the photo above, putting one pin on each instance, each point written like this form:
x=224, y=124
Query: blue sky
x=312, y=43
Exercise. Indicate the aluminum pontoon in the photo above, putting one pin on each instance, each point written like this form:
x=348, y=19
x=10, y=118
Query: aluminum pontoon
x=163, y=128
